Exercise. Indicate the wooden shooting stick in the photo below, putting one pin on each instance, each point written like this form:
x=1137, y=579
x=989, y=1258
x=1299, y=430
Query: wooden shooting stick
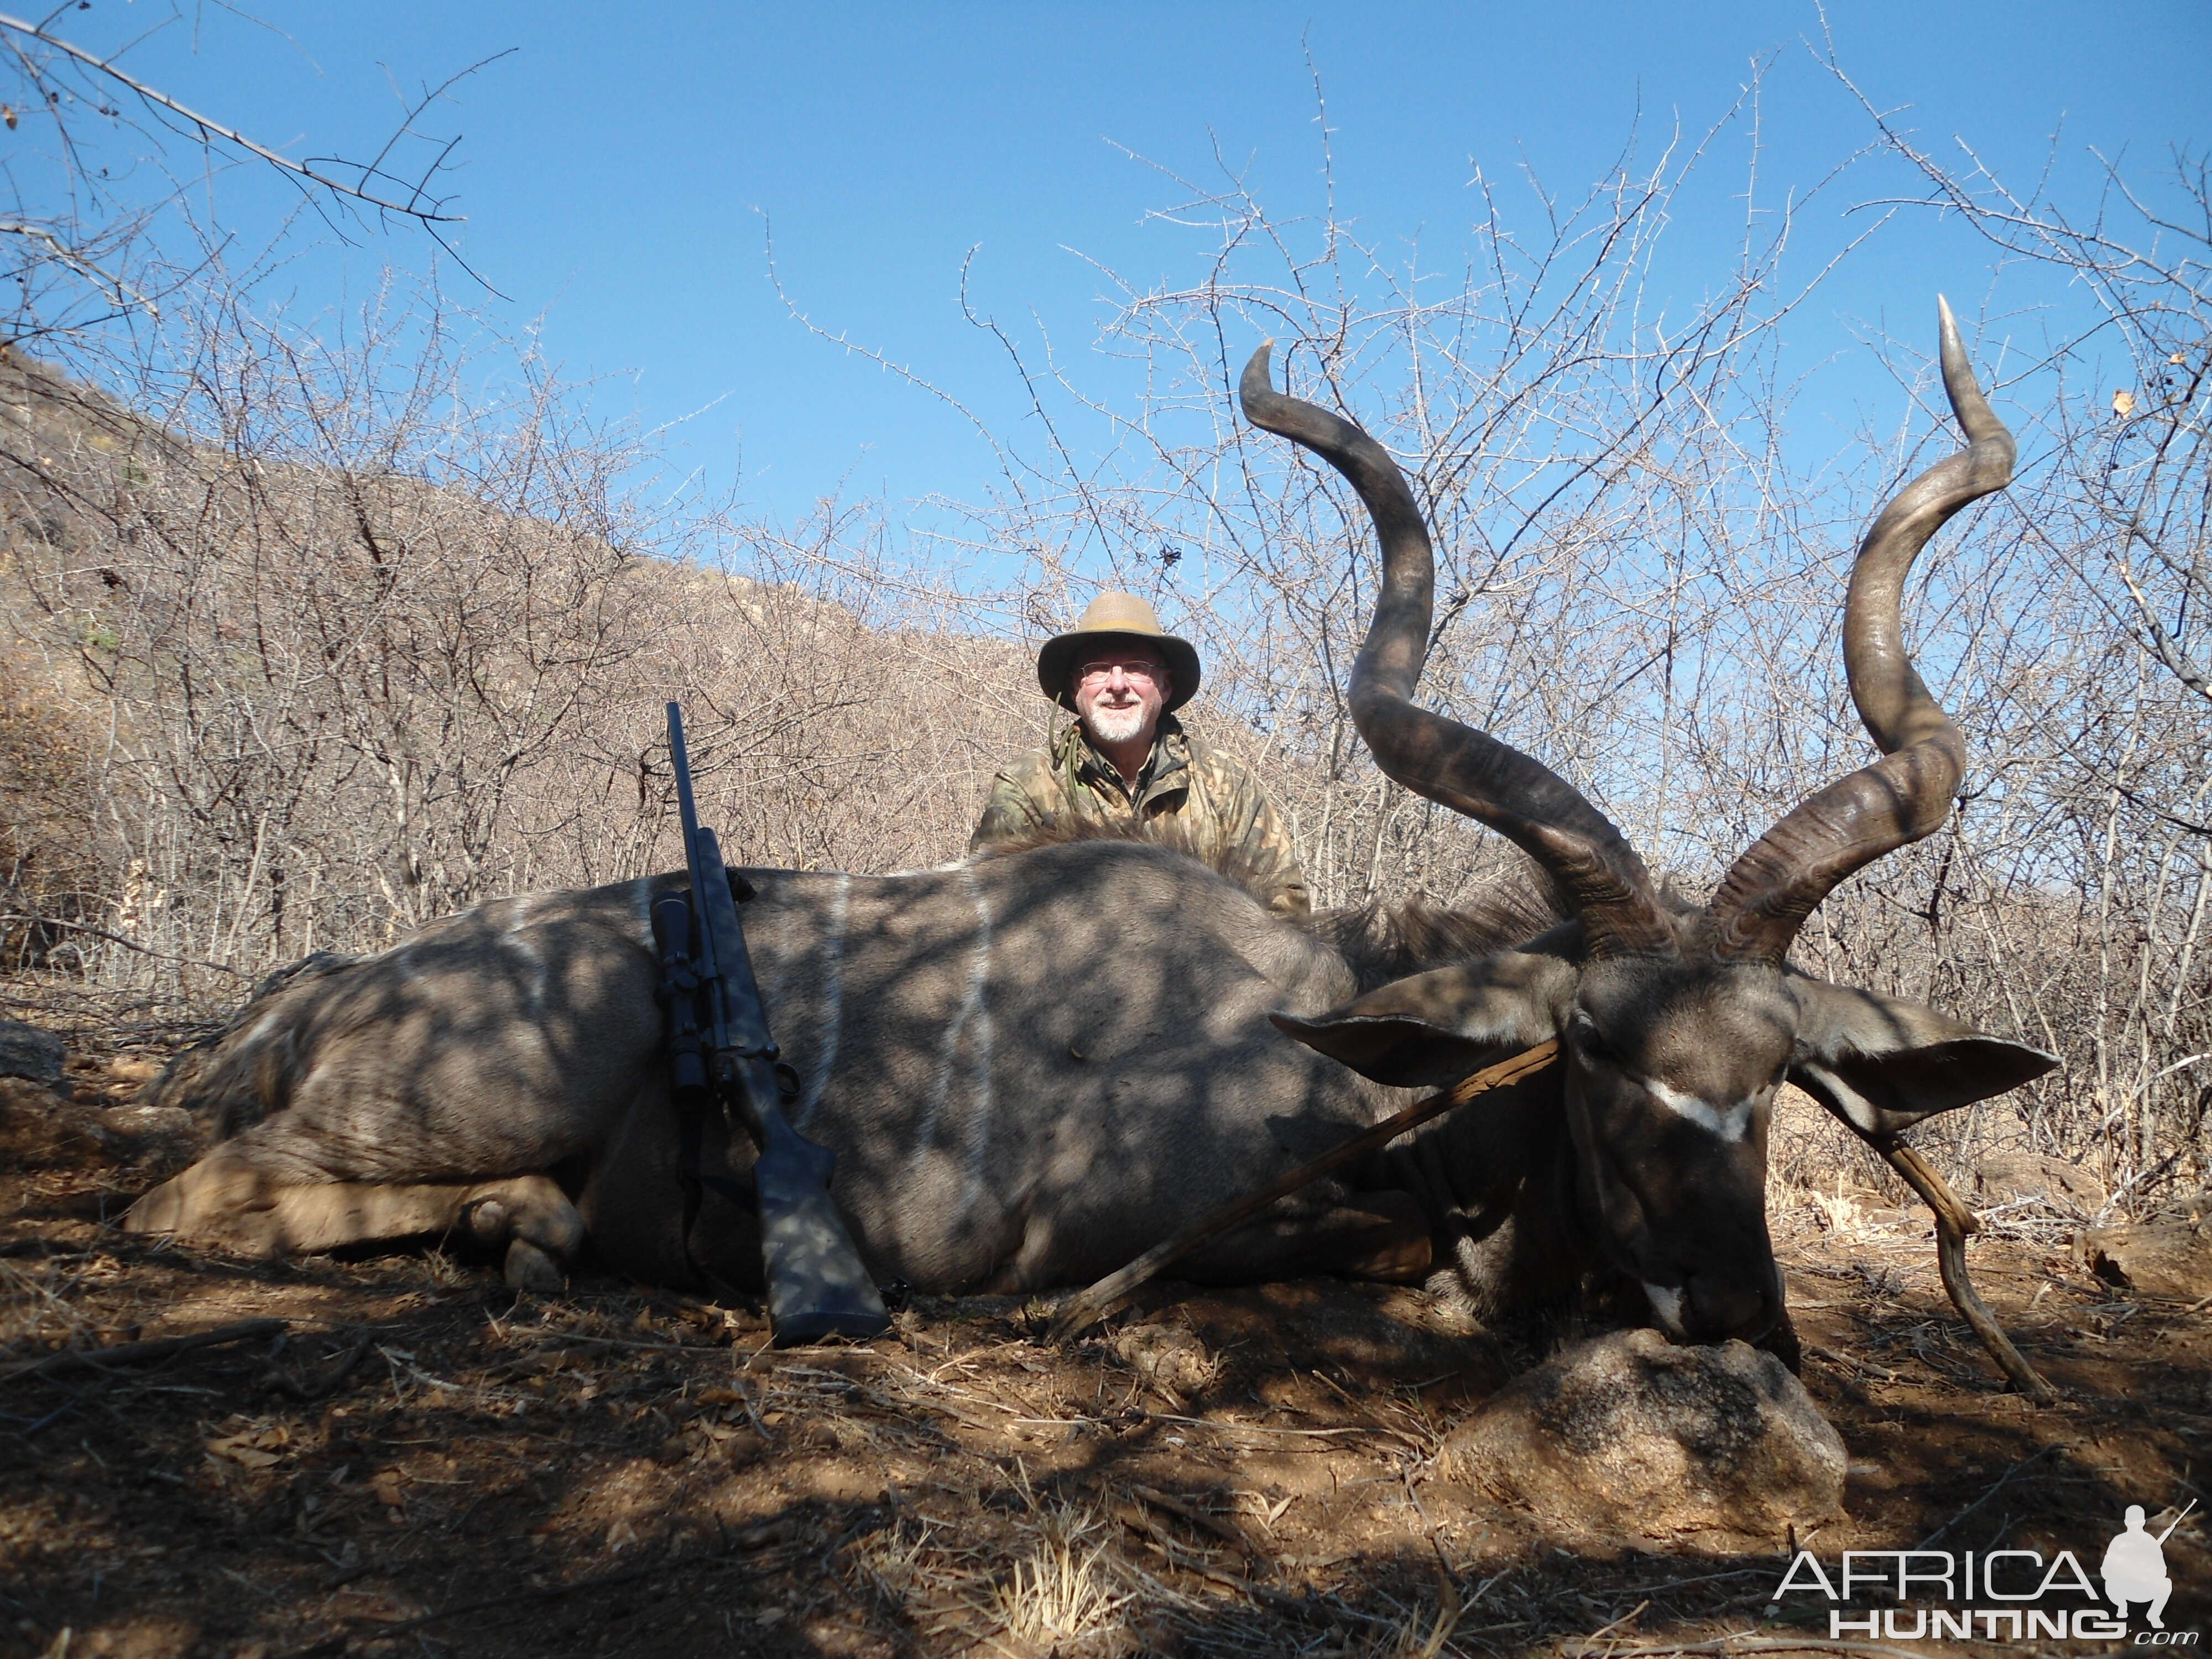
x=1088, y=1307
x=1953, y=1222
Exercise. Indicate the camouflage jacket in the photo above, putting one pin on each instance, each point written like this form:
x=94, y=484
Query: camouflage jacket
x=1213, y=799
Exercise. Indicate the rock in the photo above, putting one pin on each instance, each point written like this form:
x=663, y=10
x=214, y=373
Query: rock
x=28, y=1052
x=1171, y=1358
x=2168, y=1259
x=2009, y=1177
x=1628, y=1438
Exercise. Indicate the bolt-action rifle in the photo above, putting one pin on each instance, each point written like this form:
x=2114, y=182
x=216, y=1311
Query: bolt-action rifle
x=721, y=1055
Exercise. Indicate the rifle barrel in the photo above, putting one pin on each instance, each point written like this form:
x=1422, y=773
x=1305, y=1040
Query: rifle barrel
x=2177, y=1521
x=704, y=962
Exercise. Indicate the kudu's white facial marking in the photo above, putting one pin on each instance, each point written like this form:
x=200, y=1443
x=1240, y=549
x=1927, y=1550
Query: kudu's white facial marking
x=1666, y=1306
x=1731, y=1122
x=833, y=1003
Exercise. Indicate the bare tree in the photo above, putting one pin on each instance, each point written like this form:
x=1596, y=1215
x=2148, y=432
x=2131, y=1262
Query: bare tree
x=99, y=158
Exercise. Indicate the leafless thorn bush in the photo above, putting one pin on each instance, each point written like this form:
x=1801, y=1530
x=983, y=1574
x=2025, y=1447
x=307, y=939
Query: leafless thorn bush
x=342, y=652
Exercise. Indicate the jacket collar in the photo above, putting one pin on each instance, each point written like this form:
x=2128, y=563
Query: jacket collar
x=1170, y=758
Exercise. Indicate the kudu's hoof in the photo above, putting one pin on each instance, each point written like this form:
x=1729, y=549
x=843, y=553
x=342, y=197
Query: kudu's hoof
x=529, y=1268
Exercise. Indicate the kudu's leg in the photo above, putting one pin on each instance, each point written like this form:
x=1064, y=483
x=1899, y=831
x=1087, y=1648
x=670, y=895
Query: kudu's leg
x=540, y=1226
x=226, y=1200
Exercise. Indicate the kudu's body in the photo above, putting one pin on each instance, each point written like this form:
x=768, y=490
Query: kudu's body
x=1033, y=1066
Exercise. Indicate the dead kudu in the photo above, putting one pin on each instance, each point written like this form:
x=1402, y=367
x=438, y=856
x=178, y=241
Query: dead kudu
x=1034, y=1065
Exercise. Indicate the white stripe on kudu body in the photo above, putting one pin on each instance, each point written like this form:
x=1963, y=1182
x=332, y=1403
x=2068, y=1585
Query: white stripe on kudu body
x=833, y=1001
x=978, y=1001
x=1729, y=1122
x=972, y=1010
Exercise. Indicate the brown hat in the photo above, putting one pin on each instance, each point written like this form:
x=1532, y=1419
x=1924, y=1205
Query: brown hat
x=1122, y=616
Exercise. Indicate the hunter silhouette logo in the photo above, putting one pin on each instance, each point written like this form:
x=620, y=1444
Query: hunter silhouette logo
x=2135, y=1566
x=2000, y=1594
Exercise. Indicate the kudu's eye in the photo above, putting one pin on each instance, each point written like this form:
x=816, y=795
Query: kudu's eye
x=1589, y=1040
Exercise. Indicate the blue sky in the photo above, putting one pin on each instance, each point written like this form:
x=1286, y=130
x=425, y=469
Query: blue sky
x=618, y=164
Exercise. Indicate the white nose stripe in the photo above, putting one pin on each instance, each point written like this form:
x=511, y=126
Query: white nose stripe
x=1666, y=1306
x=1729, y=1122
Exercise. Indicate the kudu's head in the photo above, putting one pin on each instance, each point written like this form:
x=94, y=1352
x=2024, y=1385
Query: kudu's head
x=1675, y=1028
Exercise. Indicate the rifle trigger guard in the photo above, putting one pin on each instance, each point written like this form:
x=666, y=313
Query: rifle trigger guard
x=786, y=1082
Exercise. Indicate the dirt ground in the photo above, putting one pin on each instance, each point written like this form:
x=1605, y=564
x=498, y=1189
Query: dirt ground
x=419, y=1461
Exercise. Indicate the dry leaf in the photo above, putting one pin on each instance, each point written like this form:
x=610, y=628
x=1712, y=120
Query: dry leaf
x=2123, y=404
x=240, y=1449
x=620, y=1536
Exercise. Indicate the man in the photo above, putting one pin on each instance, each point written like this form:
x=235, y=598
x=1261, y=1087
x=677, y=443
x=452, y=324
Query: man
x=1127, y=757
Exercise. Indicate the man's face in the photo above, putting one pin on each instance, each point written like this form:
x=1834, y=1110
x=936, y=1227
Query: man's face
x=1119, y=687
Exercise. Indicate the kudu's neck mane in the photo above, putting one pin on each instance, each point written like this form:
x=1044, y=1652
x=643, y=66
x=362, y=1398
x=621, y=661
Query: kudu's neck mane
x=1380, y=943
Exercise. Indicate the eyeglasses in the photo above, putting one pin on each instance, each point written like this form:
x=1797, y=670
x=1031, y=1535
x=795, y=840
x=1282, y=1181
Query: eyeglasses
x=1149, y=672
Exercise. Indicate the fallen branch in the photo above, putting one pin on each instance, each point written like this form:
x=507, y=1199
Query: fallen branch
x=1180, y=1555
x=127, y=943
x=1953, y=1223
x=1226, y=1530
x=1088, y=1307
x=140, y=1353
x=276, y=1380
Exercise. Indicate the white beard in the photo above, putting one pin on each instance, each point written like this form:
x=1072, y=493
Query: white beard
x=1116, y=725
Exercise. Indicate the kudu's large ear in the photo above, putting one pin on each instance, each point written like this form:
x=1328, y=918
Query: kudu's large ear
x=1437, y=1027
x=1882, y=1064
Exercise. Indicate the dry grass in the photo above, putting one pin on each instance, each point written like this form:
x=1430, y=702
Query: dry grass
x=615, y=1470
